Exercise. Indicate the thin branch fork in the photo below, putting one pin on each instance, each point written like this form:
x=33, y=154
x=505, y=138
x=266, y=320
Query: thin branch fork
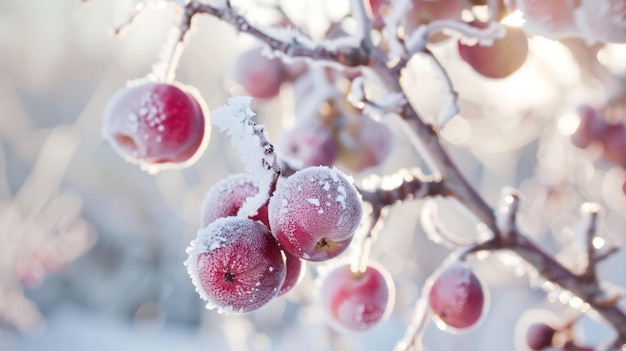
x=344, y=55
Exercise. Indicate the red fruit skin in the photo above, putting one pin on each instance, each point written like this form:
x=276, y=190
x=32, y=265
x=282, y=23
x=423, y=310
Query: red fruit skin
x=314, y=213
x=591, y=128
x=226, y=197
x=614, y=143
x=156, y=123
x=539, y=336
x=500, y=60
x=356, y=302
x=307, y=145
x=457, y=297
x=259, y=75
x=236, y=265
x=295, y=272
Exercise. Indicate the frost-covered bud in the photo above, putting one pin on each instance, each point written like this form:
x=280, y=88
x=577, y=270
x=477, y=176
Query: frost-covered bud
x=314, y=213
x=236, y=265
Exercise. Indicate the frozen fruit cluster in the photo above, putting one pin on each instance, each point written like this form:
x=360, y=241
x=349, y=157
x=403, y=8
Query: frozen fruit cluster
x=239, y=264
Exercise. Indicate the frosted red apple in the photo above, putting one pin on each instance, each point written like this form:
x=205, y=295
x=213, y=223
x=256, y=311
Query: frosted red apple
x=539, y=336
x=236, y=265
x=309, y=144
x=226, y=197
x=156, y=123
x=314, y=213
x=499, y=60
x=259, y=75
x=457, y=297
x=356, y=301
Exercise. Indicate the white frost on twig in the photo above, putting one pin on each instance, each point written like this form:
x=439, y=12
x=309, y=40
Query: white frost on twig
x=484, y=36
x=434, y=229
x=251, y=142
x=506, y=212
x=363, y=23
x=357, y=92
x=450, y=107
x=419, y=147
x=398, y=11
x=164, y=69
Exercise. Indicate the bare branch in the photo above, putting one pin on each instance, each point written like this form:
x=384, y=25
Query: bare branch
x=290, y=44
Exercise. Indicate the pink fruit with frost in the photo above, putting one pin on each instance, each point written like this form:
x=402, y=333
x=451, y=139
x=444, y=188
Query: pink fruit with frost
x=295, y=271
x=356, y=301
x=314, y=213
x=260, y=76
x=309, y=144
x=499, y=60
x=236, y=265
x=614, y=143
x=226, y=197
x=156, y=123
x=363, y=143
x=457, y=297
x=591, y=127
x=539, y=336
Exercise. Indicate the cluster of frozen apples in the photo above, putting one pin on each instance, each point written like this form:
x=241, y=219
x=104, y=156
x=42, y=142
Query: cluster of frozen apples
x=239, y=263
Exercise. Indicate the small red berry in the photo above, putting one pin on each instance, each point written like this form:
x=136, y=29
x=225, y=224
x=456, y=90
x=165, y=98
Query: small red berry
x=260, y=76
x=356, y=301
x=309, y=144
x=457, y=297
x=539, y=336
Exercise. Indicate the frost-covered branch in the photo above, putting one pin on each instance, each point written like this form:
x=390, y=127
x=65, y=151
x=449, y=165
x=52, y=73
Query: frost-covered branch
x=457, y=186
x=253, y=146
x=403, y=187
x=451, y=107
x=485, y=36
x=287, y=43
